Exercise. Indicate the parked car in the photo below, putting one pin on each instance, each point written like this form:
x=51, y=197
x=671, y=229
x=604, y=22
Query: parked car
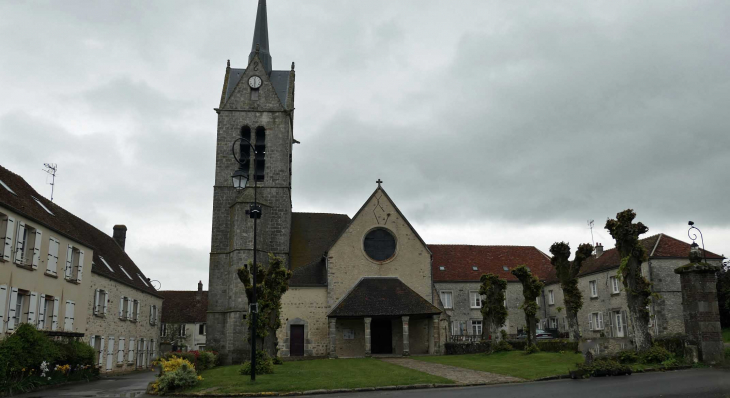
x=539, y=335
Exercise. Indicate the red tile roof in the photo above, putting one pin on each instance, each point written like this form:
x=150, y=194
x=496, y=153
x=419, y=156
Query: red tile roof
x=458, y=262
x=656, y=246
x=184, y=306
x=67, y=224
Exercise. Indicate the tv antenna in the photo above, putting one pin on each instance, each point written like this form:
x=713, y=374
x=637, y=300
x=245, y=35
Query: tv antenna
x=590, y=225
x=51, y=169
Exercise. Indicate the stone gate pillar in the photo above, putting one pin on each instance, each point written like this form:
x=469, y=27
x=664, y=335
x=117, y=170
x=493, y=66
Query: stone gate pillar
x=368, y=347
x=333, y=337
x=701, y=310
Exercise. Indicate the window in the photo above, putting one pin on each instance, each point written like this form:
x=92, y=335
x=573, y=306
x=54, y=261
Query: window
x=27, y=245
x=47, y=312
x=379, y=244
x=442, y=268
x=7, y=228
x=101, y=298
x=7, y=187
x=153, y=315
x=614, y=285
x=553, y=323
x=135, y=311
x=19, y=307
x=551, y=297
x=52, y=264
x=446, y=300
x=476, y=328
x=74, y=264
x=245, y=149
x=130, y=353
x=456, y=328
x=105, y=263
x=120, y=351
x=42, y=205
x=474, y=268
x=163, y=330
x=201, y=329
x=68, y=317
x=181, y=332
x=124, y=308
x=595, y=321
x=506, y=268
x=475, y=300
x=260, y=146
x=125, y=272
x=594, y=288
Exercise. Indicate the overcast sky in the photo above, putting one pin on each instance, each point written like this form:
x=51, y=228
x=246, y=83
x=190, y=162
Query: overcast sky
x=490, y=122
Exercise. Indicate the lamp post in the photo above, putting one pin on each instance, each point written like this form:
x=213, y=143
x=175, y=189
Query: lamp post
x=240, y=180
x=693, y=236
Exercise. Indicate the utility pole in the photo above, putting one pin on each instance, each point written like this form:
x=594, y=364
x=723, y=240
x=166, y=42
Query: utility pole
x=51, y=169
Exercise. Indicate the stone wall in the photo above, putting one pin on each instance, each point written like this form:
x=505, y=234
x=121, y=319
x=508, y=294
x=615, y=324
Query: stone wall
x=110, y=325
x=305, y=306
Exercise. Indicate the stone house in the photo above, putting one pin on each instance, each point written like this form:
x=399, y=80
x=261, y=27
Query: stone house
x=89, y=287
x=604, y=316
x=184, y=315
x=456, y=273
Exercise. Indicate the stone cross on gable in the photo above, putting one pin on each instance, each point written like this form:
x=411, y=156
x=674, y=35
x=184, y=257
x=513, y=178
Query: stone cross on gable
x=379, y=182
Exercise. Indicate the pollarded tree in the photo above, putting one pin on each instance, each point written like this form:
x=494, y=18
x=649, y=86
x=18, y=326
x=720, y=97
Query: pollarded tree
x=272, y=282
x=494, y=315
x=567, y=272
x=531, y=288
x=638, y=290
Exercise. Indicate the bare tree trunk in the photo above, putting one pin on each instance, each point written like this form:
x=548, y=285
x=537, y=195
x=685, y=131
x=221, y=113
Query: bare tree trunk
x=573, y=328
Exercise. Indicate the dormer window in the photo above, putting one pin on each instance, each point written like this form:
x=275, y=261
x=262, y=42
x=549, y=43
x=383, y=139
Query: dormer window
x=7, y=187
x=506, y=268
x=442, y=268
x=474, y=268
x=42, y=205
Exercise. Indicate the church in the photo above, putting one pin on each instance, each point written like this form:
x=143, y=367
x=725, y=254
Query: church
x=360, y=285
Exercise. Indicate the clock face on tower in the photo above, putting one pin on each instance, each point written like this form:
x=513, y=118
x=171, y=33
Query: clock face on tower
x=254, y=82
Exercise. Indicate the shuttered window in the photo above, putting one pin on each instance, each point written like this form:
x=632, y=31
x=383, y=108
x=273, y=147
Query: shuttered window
x=52, y=262
x=68, y=317
x=7, y=230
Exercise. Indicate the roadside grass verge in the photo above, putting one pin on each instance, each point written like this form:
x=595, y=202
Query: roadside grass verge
x=513, y=363
x=314, y=375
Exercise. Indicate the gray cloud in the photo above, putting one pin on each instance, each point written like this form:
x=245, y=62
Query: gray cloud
x=489, y=122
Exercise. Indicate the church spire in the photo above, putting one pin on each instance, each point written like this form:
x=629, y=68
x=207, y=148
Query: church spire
x=261, y=38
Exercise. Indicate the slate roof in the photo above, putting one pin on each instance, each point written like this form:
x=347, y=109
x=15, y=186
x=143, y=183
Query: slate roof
x=279, y=79
x=458, y=262
x=184, y=306
x=312, y=234
x=382, y=296
x=657, y=246
x=74, y=228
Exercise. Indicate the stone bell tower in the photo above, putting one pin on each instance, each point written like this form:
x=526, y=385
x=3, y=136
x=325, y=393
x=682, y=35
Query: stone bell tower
x=257, y=103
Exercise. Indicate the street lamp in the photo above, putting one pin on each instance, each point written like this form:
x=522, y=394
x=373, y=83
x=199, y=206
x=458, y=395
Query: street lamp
x=240, y=180
x=694, y=248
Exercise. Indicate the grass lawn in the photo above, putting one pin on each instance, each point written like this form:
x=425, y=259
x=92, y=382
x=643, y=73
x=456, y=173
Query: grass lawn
x=726, y=335
x=314, y=375
x=513, y=363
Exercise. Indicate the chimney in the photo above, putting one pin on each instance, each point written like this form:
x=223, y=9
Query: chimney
x=199, y=295
x=599, y=250
x=120, y=235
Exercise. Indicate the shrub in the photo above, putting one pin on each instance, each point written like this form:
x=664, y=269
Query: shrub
x=627, y=356
x=75, y=353
x=278, y=361
x=604, y=367
x=264, y=364
x=180, y=375
x=503, y=333
x=670, y=362
x=206, y=360
x=502, y=345
x=26, y=348
x=531, y=349
x=673, y=343
x=656, y=354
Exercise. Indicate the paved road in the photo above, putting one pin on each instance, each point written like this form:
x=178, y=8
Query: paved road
x=127, y=386
x=705, y=383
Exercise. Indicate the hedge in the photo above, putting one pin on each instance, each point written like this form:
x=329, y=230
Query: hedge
x=673, y=343
x=485, y=346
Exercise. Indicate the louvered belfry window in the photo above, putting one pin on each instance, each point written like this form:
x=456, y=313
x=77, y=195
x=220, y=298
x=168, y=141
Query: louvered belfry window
x=260, y=153
x=379, y=244
x=245, y=147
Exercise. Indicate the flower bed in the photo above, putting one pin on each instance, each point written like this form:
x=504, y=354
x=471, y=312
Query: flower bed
x=29, y=359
